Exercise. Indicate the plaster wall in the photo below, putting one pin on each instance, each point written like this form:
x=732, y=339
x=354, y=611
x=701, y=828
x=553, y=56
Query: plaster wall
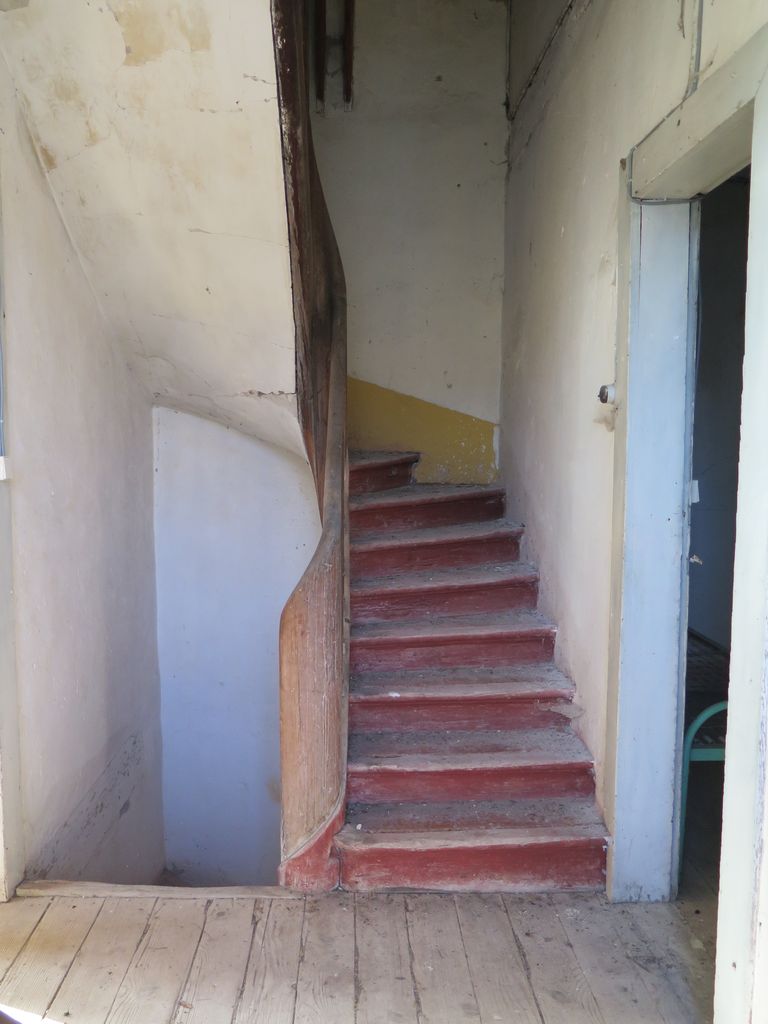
x=414, y=178
x=726, y=25
x=157, y=124
x=236, y=522
x=529, y=39
x=78, y=434
x=717, y=411
x=612, y=73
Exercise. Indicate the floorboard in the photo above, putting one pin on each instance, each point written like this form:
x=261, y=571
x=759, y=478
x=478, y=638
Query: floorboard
x=216, y=976
x=563, y=991
x=500, y=983
x=415, y=958
x=158, y=969
x=385, y=985
x=33, y=980
x=269, y=990
x=19, y=919
x=326, y=980
x=98, y=968
x=616, y=982
x=441, y=972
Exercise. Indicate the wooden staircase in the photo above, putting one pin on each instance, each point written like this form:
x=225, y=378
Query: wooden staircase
x=463, y=772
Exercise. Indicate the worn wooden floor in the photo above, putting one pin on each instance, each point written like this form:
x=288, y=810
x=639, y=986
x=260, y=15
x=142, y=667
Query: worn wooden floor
x=83, y=955
x=151, y=959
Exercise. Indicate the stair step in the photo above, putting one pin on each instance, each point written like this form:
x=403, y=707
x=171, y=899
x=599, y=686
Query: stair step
x=380, y=471
x=425, y=505
x=473, y=814
x=544, y=857
x=461, y=765
x=441, y=547
x=486, y=640
x=488, y=588
x=519, y=697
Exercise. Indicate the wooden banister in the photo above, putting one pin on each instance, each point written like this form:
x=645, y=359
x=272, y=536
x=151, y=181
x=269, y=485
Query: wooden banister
x=314, y=636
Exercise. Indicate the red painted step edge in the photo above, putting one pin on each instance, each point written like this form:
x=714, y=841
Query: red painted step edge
x=576, y=863
x=374, y=783
x=382, y=713
x=451, y=597
x=424, y=508
x=489, y=649
x=376, y=556
x=367, y=476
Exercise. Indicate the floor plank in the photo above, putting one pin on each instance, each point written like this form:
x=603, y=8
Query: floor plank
x=92, y=982
x=159, y=967
x=17, y=922
x=502, y=989
x=385, y=987
x=216, y=976
x=373, y=959
x=616, y=982
x=676, y=965
x=562, y=990
x=326, y=983
x=269, y=992
x=34, y=978
x=45, y=887
x=441, y=973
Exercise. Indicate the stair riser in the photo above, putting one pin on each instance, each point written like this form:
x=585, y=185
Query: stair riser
x=411, y=715
x=380, y=478
x=576, y=864
x=486, y=652
x=488, y=597
x=376, y=785
x=438, y=555
x=427, y=513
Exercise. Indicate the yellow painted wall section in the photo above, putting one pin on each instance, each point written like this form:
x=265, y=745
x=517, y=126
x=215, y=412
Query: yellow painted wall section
x=455, y=448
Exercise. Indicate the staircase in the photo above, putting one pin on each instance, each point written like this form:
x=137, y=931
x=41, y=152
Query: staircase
x=464, y=772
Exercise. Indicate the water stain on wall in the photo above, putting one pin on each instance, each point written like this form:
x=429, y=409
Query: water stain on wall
x=149, y=31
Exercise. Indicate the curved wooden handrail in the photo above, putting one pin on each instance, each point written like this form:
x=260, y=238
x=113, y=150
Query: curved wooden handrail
x=314, y=640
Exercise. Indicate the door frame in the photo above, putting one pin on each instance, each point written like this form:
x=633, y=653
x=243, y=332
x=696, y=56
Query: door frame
x=655, y=382
x=715, y=131
x=12, y=858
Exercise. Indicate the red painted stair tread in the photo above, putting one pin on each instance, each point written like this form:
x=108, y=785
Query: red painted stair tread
x=464, y=772
x=424, y=505
x=474, y=814
x=432, y=592
x=375, y=471
x=441, y=547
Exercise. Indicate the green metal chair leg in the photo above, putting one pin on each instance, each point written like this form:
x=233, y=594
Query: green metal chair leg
x=691, y=754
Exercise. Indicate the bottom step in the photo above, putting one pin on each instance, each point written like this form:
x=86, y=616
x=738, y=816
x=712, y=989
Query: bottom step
x=539, y=858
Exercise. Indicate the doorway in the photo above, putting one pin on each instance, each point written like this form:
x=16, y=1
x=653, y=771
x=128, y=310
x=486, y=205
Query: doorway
x=715, y=457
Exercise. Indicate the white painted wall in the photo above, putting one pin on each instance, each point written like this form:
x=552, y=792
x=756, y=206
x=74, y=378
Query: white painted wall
x=79, y=441
x=717, y=417
x=612, y=73
x=414, y=178
x=726, y=26
x=529, y=39
x=158, y=125
x=236, y=522
x=147, y=259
